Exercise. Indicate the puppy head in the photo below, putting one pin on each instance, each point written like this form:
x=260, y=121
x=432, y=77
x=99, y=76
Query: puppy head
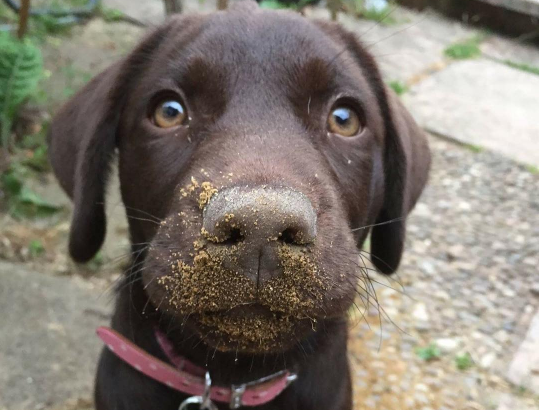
x=262, y=141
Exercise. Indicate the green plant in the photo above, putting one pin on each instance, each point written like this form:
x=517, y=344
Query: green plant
x=38, y=159
x=21, y=201
x=111, y=14
x=21, y=68
x=522, y=66
x=399, y=87
x=41, y=26
x=276, y=4
x=474, y=148
x=429, y=353
x=464, y=49
x=96, y=262
x=358, y=8
x=32, y=150
x=382, y=16
x=464, y=361
x=532, y=169
x=35, y=248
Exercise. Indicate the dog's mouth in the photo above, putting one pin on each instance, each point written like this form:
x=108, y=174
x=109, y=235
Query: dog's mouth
x=245, y=310
x=250, y=328
x=231, y=312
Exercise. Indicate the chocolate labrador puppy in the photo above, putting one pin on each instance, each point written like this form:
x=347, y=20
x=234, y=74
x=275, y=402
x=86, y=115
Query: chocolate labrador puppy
x=256, y=150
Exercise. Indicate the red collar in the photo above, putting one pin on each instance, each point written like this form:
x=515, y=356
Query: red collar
x=188, y=378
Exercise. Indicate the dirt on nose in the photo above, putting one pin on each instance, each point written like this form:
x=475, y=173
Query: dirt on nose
x=209, y=291
x=202, y=287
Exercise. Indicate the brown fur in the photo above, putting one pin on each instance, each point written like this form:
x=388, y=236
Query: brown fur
x=258, y=87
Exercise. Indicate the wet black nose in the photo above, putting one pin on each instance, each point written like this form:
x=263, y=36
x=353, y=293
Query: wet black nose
x=254, y=222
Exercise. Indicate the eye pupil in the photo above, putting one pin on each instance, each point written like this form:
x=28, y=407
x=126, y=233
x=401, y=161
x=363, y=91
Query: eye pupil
x=172, y=109
x=342, y=116
x=169, y=113
x=344, y=121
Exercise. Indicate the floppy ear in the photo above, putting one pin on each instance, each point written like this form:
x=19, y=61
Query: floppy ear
x=406, y=167
x=81, y=145
x=82, y=141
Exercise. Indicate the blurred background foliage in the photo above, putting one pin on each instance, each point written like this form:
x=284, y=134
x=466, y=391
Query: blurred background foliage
x=24, y=108
x=24, y=105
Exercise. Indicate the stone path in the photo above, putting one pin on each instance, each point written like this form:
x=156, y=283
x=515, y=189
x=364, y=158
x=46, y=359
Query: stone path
x=479, y=101
x=49, y=349
x=484, y=104
x=469, y=277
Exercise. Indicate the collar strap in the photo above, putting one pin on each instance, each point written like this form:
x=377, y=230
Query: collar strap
x=189, y=378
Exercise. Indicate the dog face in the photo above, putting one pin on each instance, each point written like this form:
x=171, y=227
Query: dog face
x=261, y=141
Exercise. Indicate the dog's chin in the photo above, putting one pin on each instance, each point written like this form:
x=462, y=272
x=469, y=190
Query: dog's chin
x=252, y=329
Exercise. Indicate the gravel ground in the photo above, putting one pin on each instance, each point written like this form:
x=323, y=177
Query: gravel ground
x=468, y=284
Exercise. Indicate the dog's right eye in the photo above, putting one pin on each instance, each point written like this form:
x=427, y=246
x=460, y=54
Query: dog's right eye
x=344, y=121
x=169, y=113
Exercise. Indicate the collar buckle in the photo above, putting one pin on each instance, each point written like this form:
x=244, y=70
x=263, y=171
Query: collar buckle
x=292, y=377
x=236, y=398
x=237, y=395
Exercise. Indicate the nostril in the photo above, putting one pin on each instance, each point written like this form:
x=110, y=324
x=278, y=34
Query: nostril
x=288, y=236
x=235, y=236
x=292, y=236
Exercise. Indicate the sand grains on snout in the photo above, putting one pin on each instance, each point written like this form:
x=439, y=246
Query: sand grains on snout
x=204, y=287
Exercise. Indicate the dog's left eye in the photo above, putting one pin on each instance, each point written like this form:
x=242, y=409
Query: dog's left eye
x=169, y=113
x=345, y=121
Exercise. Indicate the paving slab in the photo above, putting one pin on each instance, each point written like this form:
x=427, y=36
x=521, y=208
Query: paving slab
x=483, y=103
x=524, y=369
x=47, y=338
x=415, y=43
x=504, y=49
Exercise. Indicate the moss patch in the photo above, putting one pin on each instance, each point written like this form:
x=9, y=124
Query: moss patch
x=464, y=50
x=399, y=87
x=522, y=67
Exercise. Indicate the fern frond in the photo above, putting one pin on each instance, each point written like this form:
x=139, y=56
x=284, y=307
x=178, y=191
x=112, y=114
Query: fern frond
x=21, y=68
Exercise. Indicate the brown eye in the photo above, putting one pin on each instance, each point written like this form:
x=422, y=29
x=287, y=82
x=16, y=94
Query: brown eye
x=344, y=121
x=169, y=113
